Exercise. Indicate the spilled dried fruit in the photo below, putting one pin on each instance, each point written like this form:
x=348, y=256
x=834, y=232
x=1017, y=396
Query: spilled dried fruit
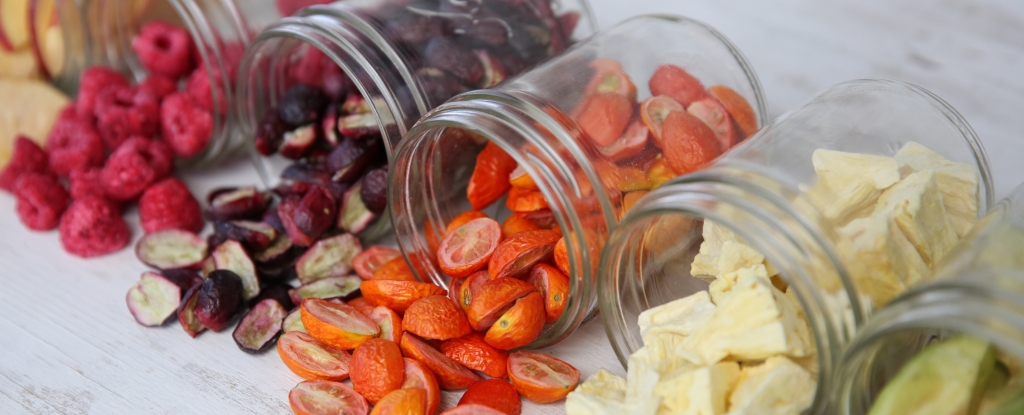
x=153, y=300
x=260, y=326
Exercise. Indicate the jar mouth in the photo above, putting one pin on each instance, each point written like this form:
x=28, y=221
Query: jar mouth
x=430, y=173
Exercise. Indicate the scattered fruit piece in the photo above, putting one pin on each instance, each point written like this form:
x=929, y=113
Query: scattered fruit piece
x=450, y=374
x=632, y=143
x=517, y=222
x=714, y=114
x=311, y=360
x=74, y=144
x=92, y=226
x=28, y=157
x=398, y=295
x=336, y=324
x=164, y=49
x=495, y=298
x=738, y=108
x=654, y=111
x=293, y=322
x=609, y=78
x=469, y=288
x=436, y=318
x=321, y=397
x=326, y=288
x=244, y=203
x=330, y=257
x=187, y=313
x=41, y=200
x=168, y=204
x=541, y=378
x=676, y=83
x=561, y=256
x=389, y=322
x=171, y=249
x=402, y=402
x=473, y=352
x=396, y=270
x=689, y=143
x=135, y=165
x=231, y=256
x=377, y=369
x=520, y=325
x=355, y=217
x=522, y=200
x=495, y=393
x=419, y=376
x=364, y=306
x=472, y=409
x=260, y=326
x=463, y=218
x=254, y=236
x=220, y=298
x=604, y=116
x=184, y=125
x=554, y=289
x=515, y=256
x=153, y=300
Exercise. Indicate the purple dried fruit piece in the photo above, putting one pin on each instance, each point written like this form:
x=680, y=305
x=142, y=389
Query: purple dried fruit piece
x=214, y=240
x=270, y=133
x=355, y=104
x=301, y=104
x=288, y=188
x=278, y=275
x=153, y=300
x=171, y=249
x=231, y=256
x=187, y=313
x=329, y=125
x=271, y=218
x=308, y=175
x=220, y=298
x=446, y=54
x=183, y=278
x=350, y=159
x=530, y=42
x=260, y=327
x=293, y=322
x=494, y=71
x=277, y=292
x=237, y=204
x=329, y=257
x=316, y=212
x=359, y=126
x=327, y=288
x=281, y=253
x=438, y=86
x=374, y=189
x=412, y=28
x=254, y=236
x=286, y=210
x=355, y=216
x=567, y=22
x=298, y=141
x=335, y=82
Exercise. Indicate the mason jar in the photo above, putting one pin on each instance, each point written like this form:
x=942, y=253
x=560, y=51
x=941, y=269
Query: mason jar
x=978, y=291
x=767, y=194
x=544, y=120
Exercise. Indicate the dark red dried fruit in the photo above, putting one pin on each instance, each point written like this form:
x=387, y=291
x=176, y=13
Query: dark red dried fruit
x=301, y=105
x=412, y=28
x=232, y=257
x=447, y=54
x=159, y=86
x=329, y=125
x=74, y=144
x=187, y=312
x=92, y=81
x=277, y=292
x=254, y=236
x=316, y=212
x=243, y=203
x=281, y=253
x=220, y=298
x=374, y=190
x=359, y=126
x=299, y=141
x=168, y=204
x=86, y=182
x=134, y=166
x=286, y=210
x=270, y=133
x=41, y=201
x=438, y=86
x=260, y=327
x=123, y=112
x=92, y=226
x=164, y=49
x=184, y=125
x=27, y=157
x=183, y=278
x=350, y=159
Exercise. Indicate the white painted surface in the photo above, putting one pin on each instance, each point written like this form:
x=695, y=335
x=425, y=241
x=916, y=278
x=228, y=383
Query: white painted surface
x=69, y=345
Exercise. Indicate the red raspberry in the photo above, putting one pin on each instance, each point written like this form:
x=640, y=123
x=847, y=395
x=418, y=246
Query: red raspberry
x=28, y=157
x=201, y=90
x=169, y=205
x=122, y=112
x=135, y=165
x=92, y=226
x=164, y=49
x=94, y=80
x=41, y=201
x=69, y=112
x=186, y=127
x=86, y=182
x=159, y=86
x=74, y=144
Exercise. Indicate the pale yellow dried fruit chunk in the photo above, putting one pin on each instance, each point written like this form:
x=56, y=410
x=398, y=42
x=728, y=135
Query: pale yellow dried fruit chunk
x=703, y=391
x=38, y=105
x=915, y=204
x=778, y=386
x=601, y=394
x=958, y=183
x=705, y=263
x=883, y=262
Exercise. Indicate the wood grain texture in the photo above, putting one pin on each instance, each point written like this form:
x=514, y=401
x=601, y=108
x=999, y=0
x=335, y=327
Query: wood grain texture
x=68, y=344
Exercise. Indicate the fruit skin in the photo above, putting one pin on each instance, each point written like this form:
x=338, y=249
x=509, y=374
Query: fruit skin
x=473, y=352
x=515, y=256
x=494, y=298
x=520, y=325
x=301, y=104
x=288, y=347
x=201, y=86
x=170, y=205
x=418, y=375
x=529, y=378
x=489, y=181
x=344, y=400
x=603, y=117
x=376, y=369
x=402, y=402
x=689, y=143
x=164, y=49
x=92, y=226
x=561, y=256
x=554, y=289
x=395, y=270
x=468, y=288
x=316, y=316
x=495, y=393
x=370, y=259
x=374, y=189
x=153, y=300
x=450, y=374
x=739, y=109
x=676, y=83
x=397, y=295
x=220, y=298
x=523, y=200
x=41, y=201
x=437, y=318
x=28, y=157
x=468, y=247
x=260, y=326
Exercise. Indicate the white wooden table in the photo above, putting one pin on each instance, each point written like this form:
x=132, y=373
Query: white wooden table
x=69, y=345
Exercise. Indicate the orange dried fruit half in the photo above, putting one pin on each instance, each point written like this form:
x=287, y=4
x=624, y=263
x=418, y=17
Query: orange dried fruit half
x=630, y=199
x=714, y=114
x=632, y=179
x=738, y=107
x=541, y=378
x=609, y=78
x=495, y=393
x=473, y=352
x=366, y=263
x=336, y=324
x=377, y=368
x=469, y=288
x=437, y=318
x=516, y=255
x=519, y=178
x=676, y=83
x=402, y=402
x=554, y=288
x=654, y=111
x=689, y=143
x=389, y=322
x=660, y=173
x=467, y=247
x=395, y=270
x=418, y=375
x=493, y=299
x=397, y=295
x=362, y=305
x=489, y=181
x=604, y=116
x=543, y=218
x=517, y=222
x=562, y=256
x=520, y=325
x=631, y=144
x=450, y=374
x=472, y=409
x=462, y=218
x=321, y=397
x=525, y=200
x=311, y=360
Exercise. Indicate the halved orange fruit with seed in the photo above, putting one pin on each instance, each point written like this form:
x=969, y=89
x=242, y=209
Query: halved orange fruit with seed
x=402, y=402
x=473, y=352
x=738, y=107
x=494, y=298
x=554, y=288
x=541, y=378
x=654, y=111
x=321, y=397
x=469, y=287
x=518, y=326
x=311, y=360
x=515, y=256
x=336, y=324
x=462, y=218
x=389, y=322
x=450, y=374
x=418, y=375
x=397, y=295
x=436, y=318
x=467, y=247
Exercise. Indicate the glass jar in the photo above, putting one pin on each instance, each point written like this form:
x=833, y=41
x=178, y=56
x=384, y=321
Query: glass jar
x=537, y=120
x=978, y=290
x=70, y=36
x=762, y=194
x=396, y=60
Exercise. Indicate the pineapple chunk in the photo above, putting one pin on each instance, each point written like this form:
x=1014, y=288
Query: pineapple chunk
x=958, y=183
x=778, y=386
x=703, y=391
x=915, y=204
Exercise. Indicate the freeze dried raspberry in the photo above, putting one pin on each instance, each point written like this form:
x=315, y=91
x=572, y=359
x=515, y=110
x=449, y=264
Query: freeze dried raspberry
x=289, y=7
x=92, y=226
x=122, y=112
x=41, y=201
x=93, y=81
x=69, y=112
x=186, y=127
x=201, y=90
x=315, y=68
x=74, y=144
x=159, y=86
x=27, y=157
x=169, y=205
x=164, y=49
x=135, y=165
x=86, y=182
